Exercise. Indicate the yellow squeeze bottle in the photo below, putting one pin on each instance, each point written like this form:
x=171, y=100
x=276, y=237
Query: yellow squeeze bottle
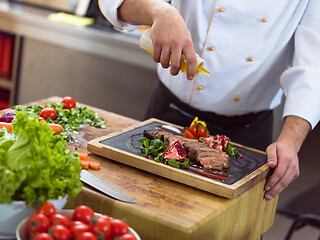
x=146, y=44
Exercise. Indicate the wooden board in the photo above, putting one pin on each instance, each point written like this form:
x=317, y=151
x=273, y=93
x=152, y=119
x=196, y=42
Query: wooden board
x=117, y=147
x=167, y=209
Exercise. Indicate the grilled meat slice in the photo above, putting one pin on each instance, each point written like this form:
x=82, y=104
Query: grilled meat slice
x=207, y=156
x=218, y=163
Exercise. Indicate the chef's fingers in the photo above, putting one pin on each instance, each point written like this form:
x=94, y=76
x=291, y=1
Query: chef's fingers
x=272, y=155
x=272, y=161
x=290, y=174
x=286, y=171
x=175, y=60
x=276, y=176
x=156, y=51
x=191, y=61
x=281, y=184
x=165, y=57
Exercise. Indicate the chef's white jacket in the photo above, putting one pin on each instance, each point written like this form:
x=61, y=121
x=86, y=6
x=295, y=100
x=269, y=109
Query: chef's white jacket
x=256, y=51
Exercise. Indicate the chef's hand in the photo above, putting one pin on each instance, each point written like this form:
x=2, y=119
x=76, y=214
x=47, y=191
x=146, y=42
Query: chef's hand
x=285, y=162
x=283, y=155
x=170, y=37
x=169, y=34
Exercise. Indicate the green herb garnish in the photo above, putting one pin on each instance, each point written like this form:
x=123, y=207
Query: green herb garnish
x=156, y=149
x=231, y=150
x=71, y=121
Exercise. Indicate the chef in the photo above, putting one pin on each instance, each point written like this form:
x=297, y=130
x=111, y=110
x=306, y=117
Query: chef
x=257, y=52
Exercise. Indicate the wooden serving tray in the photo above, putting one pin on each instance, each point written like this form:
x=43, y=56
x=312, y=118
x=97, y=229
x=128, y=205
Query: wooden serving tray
x=246, y=171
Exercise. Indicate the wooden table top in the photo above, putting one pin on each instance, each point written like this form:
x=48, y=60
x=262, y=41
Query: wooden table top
x=166, y=209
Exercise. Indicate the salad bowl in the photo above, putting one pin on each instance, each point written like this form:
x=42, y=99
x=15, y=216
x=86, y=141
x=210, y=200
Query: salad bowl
x=21, y=232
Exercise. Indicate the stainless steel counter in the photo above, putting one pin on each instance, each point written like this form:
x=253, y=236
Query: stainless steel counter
x=100, y=66
x=32, y=23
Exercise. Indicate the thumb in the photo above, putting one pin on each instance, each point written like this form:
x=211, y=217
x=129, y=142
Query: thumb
x=272, y=156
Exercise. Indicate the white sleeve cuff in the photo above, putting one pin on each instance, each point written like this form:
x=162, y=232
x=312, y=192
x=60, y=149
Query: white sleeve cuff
x=301, y=86
x=109, y=9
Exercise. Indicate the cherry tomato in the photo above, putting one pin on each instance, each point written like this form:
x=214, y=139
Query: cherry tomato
x=76, y=223
x=202, y=131
x=60, y=219
x=128, y=236
x=193, y=129
x=101, y=227
x=77, y=229
x=118, y=227
x=87, y=236
x=37, y=223
x=188, y=134
x=41, y=119
x=60, y=232
x=43, y=236
x=82, y=213
x=105, y=217
x=208, y=134
x=69, y=103
x=47, y=209
x=48, y=113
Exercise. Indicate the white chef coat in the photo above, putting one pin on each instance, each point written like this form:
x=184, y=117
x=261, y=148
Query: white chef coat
x=253, y=49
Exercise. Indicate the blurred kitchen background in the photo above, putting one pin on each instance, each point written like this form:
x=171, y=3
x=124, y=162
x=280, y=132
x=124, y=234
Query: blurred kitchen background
x=105, y=68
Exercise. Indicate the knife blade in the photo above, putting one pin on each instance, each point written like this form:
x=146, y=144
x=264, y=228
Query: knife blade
x=104, y=187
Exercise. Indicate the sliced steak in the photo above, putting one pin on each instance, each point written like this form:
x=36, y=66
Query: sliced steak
x=214, y=163
x=207, y=156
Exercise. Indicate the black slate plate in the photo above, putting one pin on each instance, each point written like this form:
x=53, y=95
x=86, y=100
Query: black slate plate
x=239, y=167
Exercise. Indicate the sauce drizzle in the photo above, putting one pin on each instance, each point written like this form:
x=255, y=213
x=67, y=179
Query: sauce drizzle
x=213, y=174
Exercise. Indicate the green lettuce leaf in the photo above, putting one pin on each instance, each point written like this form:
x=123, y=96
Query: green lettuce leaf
x=36, y=165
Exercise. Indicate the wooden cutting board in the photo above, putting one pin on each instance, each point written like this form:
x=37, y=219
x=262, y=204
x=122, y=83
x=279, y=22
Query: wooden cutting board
x=119, y=146
x=166, y=209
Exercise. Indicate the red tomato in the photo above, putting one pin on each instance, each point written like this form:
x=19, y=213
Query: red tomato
x=118, y=227
x=41, y=119
x=76, y=223
x=202, y=131
x=193, y=129
x=87, y=236
x=43, y=236
x=105, y=217
x=48, y=113
x=188, y=134
x=77, y=229
x=101, y=227
x=208, y=134
x=37, y=223
x=69, y=103
x=47, y=209
x=82, y=213
x=60, y=232
x=128, y=236
x=60, y=219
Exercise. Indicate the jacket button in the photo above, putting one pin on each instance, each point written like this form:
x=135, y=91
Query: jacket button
x=250, y=59
x=263, y=19
x=221, y=9
x=236, y=98
x=200, y=87
x=211, y=48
